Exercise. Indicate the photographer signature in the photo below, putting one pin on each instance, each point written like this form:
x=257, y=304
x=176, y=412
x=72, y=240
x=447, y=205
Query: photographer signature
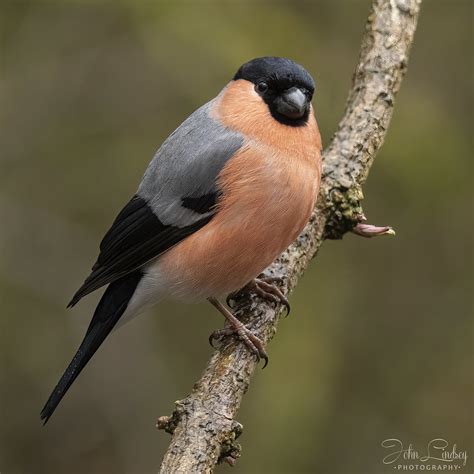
x=437, y=449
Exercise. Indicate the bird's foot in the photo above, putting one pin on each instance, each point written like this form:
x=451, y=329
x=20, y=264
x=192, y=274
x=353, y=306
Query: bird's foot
x=265, y=288
x=253, y=343
x=238, y=329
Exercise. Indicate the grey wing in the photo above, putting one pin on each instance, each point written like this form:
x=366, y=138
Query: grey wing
x=186, y=167
x=176, y=197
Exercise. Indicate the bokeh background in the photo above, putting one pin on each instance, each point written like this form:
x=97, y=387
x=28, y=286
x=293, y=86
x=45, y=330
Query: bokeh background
x=380, y=342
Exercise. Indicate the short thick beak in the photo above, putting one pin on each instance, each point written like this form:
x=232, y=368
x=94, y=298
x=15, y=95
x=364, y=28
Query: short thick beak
x=293, y=103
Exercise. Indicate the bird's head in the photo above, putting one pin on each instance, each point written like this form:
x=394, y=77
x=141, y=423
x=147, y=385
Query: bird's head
x=285, y=87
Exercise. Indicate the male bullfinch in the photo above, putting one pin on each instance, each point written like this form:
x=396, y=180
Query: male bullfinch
x=228, y=191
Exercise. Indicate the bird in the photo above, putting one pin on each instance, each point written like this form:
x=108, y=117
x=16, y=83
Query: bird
x=226, y=193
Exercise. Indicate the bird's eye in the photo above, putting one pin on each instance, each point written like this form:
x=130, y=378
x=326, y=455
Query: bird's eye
x=261, y=87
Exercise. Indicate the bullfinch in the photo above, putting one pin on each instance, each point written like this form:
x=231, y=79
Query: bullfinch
x=228, y=191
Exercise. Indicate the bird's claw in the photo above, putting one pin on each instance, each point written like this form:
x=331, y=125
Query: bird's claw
x=264, y=286
x=230, y=297
x=220, y=334
x=253, y=343
x=266, y=289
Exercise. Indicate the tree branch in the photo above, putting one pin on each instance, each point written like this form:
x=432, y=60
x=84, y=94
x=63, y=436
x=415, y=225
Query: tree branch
x=203, y=426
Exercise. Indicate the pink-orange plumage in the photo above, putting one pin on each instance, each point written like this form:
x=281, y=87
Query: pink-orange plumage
x=268, y=192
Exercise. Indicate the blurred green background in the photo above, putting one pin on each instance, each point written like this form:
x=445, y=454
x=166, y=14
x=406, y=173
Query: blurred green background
x=379, y=344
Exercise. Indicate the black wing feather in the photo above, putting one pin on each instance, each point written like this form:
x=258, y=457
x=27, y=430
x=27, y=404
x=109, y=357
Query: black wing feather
x=137, y=236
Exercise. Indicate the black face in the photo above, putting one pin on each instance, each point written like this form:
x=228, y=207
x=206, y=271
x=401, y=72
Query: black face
x=286, y=87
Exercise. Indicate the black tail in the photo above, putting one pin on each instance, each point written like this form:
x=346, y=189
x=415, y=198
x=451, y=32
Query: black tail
x=109, y=310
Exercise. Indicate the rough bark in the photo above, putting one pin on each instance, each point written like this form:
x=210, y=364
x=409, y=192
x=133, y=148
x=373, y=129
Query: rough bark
x=203, y=424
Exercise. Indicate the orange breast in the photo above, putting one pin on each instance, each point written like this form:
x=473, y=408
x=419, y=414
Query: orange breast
x=269, y=189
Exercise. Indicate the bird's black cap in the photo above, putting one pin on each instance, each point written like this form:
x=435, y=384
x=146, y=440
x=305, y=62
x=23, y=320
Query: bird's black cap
x=280, y=72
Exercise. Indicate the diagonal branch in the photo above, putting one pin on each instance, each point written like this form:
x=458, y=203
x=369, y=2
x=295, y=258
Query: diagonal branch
x=203, y=425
